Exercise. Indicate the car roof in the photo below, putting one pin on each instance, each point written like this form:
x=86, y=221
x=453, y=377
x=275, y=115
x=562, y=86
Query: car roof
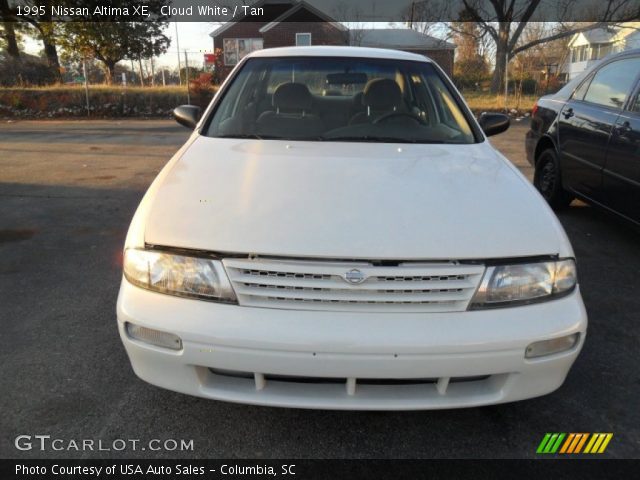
x=333, y=51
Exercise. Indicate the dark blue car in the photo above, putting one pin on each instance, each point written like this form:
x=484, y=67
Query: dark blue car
x=584, y=141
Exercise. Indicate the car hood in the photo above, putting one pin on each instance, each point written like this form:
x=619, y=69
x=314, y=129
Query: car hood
x=350, y=200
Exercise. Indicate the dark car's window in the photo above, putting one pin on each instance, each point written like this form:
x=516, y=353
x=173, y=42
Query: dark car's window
x=613, y=82
x=582, y=89
x=340, y=99
x=635, y=107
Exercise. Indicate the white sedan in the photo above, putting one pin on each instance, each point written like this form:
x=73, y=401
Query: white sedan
x=339, y=233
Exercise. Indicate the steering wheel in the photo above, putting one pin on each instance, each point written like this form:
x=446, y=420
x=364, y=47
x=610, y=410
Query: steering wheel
x=387, y=116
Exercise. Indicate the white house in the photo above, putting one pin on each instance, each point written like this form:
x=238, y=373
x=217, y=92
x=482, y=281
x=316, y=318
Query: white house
x=588, y=47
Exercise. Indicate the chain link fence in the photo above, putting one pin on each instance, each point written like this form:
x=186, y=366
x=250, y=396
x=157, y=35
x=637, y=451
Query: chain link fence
x=138, y=87
x=528, y=79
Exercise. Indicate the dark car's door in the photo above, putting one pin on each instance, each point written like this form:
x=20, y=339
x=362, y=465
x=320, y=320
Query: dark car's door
x=585, y=124
x=621, y=174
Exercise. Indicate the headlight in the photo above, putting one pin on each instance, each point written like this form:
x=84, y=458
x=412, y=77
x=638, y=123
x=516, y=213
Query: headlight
x=505, y=285
x=180, y=275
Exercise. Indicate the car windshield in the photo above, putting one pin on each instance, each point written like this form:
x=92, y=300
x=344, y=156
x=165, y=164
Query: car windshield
x=339, y=99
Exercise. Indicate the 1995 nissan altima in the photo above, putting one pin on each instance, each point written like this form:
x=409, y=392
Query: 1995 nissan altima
x=338, y=233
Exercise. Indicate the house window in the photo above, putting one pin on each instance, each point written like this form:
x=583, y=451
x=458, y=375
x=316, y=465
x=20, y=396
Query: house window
x=605, y=49
x=303, y=39
x=580, y=54
x=584, y=54
x=236, y=48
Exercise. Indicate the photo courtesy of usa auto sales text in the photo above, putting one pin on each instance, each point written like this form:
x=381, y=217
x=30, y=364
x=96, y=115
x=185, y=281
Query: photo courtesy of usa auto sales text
x=142, y=469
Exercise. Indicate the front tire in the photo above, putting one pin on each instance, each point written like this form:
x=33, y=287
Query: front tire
x=548, y=181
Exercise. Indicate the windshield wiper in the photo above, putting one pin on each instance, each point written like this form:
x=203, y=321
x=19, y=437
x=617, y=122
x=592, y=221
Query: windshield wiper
x=347, y=138
x=242, y=135
x=378, y=139
x=268, y=137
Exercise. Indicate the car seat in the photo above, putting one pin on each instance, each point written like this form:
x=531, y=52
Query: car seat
x=291, y=117
x=380, y=96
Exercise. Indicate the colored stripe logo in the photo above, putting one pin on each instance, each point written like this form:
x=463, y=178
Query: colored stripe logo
x=574, y=443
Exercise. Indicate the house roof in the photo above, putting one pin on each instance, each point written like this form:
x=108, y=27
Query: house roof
x=600, y=35
x=299, y=6
x=404, y=38
x=607, y=34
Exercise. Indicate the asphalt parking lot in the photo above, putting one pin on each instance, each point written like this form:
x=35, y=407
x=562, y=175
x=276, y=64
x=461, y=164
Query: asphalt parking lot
x=68, y=190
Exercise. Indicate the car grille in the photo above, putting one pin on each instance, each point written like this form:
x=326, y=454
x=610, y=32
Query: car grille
x=441, y=384
x=319, y=285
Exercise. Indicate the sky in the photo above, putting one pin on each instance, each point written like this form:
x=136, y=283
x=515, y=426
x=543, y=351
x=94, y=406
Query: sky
x=193, y=37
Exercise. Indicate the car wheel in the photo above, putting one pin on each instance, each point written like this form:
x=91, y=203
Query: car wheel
x=548, y=181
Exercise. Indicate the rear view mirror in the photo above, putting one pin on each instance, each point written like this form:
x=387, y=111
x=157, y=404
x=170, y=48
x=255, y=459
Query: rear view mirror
x=493, y=123
x=187, y=115
x=346, y=78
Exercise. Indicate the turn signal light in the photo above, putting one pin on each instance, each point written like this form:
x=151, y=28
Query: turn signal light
x=549, y=347
x=154, y=337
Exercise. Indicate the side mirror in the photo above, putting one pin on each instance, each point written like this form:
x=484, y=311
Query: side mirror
x=493, y=123
x=187, y=115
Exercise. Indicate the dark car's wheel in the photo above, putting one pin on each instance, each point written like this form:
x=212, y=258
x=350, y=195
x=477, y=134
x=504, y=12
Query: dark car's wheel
x=548, y=181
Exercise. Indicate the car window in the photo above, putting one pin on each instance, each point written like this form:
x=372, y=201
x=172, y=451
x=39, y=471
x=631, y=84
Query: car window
x=613, y=82
x=582, y=89
x=635, y=106
x=340, y=99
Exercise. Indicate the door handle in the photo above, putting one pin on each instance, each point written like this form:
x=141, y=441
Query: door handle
x=623, y=129
x=568, y=113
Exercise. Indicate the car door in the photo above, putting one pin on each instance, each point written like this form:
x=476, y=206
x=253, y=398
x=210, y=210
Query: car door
x=585, y=125
x=621, y=174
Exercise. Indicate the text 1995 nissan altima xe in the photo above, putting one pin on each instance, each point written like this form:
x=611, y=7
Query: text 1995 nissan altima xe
x=338, y=233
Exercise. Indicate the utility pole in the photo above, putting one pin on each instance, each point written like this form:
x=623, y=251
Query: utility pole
x=178, y=47
x=413, y=6
x=141, y=73
x=186, y=61
x=506, y=81
x=86, y=85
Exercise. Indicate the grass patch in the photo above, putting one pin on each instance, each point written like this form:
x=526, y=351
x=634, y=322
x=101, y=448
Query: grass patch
x=488, y=102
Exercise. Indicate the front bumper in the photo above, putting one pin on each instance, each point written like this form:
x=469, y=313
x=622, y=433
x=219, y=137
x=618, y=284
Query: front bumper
x=340, y=360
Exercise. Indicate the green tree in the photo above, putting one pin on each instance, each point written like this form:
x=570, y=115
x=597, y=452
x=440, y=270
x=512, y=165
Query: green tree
x=44, y=26
x=111, y=42
x=153, y=42
x=8, y=35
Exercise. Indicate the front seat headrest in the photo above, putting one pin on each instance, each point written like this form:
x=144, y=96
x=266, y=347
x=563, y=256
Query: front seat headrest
x=292, y=96
x=382, y=93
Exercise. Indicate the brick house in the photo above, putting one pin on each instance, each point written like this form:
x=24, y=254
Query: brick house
x=286, y=23
x=290, y=22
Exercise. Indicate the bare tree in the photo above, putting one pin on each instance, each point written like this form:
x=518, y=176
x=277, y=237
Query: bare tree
x=504, y=21
x=355, y=33
x=427, y=17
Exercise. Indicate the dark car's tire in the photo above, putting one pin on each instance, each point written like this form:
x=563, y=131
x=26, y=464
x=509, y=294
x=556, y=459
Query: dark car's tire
x=548, y=180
